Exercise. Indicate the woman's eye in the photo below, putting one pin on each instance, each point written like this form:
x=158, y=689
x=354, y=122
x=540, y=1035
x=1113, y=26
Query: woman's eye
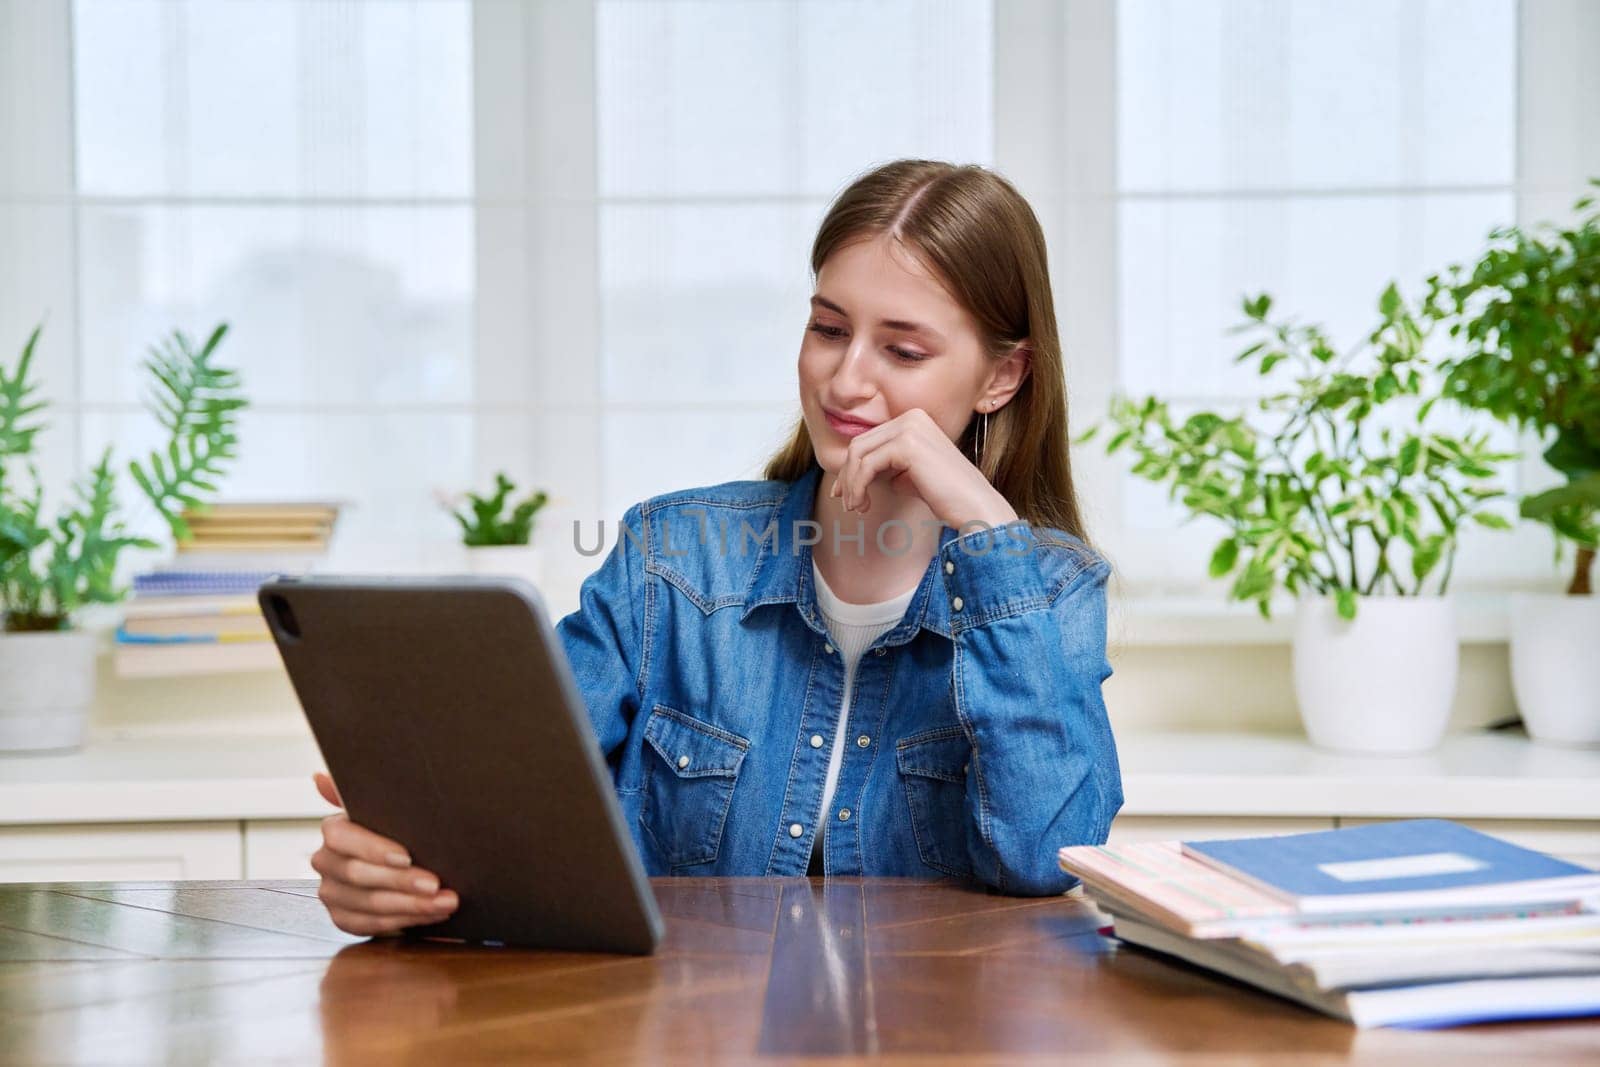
x=835, y=333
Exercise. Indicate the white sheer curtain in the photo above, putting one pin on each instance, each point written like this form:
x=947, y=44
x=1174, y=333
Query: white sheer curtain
x=724, y=130
x=301, y=171
x=569, y=239
x=649, y=178
x=1200, y=149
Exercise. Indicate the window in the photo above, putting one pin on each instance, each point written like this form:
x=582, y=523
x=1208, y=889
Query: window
x=724, y=131
x=305, y=173
x=571, y=241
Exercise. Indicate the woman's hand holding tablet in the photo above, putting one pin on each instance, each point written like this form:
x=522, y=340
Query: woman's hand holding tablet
x=446, y=708
x=369, y=885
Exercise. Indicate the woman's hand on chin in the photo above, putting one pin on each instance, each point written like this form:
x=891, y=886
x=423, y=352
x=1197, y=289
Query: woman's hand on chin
x=916, y=455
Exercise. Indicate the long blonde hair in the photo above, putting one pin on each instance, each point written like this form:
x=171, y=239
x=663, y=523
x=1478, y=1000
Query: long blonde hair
x=977, y=233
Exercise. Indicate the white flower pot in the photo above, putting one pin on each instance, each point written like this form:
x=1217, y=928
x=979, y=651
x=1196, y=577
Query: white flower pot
x=1555, y=666
x=519, y=561
x=47, y=685
x=1383, y=683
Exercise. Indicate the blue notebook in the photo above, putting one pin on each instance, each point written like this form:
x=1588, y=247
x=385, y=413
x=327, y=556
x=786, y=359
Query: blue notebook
x=1421, y=863
x=185, y=583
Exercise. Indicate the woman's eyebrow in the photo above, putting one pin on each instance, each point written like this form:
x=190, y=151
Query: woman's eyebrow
x=893, y=324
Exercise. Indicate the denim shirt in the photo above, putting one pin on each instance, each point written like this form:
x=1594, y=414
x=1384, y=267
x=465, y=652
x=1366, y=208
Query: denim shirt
x=978, y=740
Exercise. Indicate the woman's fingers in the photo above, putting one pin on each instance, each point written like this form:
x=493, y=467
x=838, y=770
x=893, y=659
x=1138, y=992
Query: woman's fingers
x=368, y=883
x=868, y=466
x=363, y=924
x=350, y=839
x=849, y=471
x=329, y=791
x=356, y=872
x=383, y=902
x=872, y=454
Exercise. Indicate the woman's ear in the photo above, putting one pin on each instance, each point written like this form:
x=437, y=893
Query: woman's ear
x=1007, y=376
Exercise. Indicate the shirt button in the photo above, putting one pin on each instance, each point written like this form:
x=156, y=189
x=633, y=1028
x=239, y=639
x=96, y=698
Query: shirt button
x=863, y=741
x=844, y=814
x=956, y=604
x=949, y=567
x=683, y=761
x=795, y=829
x=880, y=652
x=816, y=740
x=828, y=649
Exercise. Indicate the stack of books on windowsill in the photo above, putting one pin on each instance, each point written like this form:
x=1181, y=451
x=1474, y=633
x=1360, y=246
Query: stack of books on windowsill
x=197, y=612
x=194, y=633
x=1418, y=923
x=277, y=536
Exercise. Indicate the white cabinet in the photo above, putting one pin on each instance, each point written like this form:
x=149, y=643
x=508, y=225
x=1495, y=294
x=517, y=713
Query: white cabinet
x=112, y=852
x=230, y=806
x=161, y=851
x=281, y=848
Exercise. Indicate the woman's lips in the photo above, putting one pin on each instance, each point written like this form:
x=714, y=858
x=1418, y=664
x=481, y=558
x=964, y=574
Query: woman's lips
x=846, y=427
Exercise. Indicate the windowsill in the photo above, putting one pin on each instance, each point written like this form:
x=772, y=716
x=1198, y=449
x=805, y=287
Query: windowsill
x=1482, y=774
x=1166, y=773
x=1156, y=622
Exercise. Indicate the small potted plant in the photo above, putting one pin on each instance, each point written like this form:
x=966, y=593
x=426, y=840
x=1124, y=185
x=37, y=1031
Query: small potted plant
x=50, y=569
x=1526, y=318
x=498, y=534
x=1339, y=490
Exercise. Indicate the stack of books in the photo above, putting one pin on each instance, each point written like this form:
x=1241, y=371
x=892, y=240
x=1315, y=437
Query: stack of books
x=193, y=633
x=197, y=612
x=284, y=537
x=1417, y=923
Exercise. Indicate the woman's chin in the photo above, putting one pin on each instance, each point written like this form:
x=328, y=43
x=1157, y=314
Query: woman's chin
x=830, y=456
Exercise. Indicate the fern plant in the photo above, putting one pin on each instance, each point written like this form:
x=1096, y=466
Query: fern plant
x=197, y=403
x=483, y=524
x=50, y=569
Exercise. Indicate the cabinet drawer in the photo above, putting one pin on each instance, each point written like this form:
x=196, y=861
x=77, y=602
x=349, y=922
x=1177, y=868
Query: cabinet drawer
x=1136, y=828
x=281, y=848
x=120, y=852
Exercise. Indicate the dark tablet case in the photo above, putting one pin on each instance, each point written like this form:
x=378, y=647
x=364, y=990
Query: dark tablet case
x=447, y=714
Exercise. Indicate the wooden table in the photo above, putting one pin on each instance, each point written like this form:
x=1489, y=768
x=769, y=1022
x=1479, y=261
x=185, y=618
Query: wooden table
x=752, y=969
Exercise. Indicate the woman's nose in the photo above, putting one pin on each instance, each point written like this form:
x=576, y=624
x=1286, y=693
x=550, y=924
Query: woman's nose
x=852, y=377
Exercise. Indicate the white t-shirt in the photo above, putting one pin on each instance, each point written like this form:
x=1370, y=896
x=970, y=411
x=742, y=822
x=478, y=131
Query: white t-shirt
x=853, y=628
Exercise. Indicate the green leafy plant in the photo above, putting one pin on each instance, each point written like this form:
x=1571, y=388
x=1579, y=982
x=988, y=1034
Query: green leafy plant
x=1527, y=314
x=483, y=522
x=1315, y=494
x=49, y=569
x=197, y=403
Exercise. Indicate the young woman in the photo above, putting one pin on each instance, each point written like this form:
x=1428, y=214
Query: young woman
x=886, y=658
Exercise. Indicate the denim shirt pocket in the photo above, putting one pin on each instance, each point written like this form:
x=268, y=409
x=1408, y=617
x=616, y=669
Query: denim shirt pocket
x=933, y=769
x=688, y=785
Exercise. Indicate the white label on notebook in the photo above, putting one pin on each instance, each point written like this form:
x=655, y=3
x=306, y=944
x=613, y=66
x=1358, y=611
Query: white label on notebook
x=1401, y=867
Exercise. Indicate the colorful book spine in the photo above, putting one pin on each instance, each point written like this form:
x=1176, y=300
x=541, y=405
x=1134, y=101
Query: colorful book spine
x=174, y=583
x=126, y=638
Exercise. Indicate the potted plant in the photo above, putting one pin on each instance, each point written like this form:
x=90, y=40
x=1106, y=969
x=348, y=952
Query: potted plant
x=1341, y=490
x=49, y=569
x=498, y=534
x=1526, y=316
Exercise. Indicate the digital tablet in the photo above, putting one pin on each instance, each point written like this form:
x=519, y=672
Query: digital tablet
x=448, y=716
